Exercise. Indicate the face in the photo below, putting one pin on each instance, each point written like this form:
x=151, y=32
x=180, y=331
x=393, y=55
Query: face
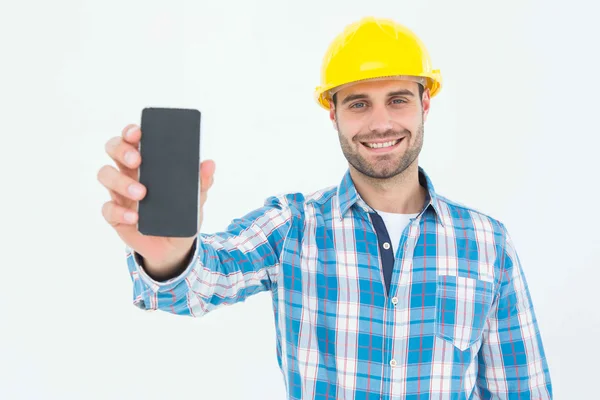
x=371, y=114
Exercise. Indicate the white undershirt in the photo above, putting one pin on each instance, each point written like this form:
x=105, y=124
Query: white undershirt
x=395, y=224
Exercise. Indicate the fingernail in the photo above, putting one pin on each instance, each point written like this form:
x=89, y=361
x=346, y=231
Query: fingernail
x=135, y=190
x=129, y=216
x=130, y=131
x=130, y=157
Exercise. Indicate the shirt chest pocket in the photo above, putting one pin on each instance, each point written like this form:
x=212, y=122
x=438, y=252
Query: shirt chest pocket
x=462, y=308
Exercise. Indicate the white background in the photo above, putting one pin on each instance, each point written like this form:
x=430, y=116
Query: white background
x=513, y=133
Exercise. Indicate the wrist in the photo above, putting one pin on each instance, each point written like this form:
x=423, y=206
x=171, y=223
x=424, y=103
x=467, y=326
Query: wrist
x=169, y=268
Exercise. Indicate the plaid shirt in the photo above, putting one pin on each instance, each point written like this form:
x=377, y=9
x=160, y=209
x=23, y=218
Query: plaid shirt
x=457, y=321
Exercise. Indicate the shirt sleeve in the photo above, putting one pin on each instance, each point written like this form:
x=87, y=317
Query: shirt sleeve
x=226, y=267
x=512, y=361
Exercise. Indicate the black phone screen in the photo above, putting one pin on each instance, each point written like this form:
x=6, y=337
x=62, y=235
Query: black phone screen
x=170, y=170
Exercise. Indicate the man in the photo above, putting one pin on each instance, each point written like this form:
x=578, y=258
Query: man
x=382, y=288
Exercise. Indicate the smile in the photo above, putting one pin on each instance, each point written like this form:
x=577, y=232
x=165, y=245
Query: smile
x=383, y=147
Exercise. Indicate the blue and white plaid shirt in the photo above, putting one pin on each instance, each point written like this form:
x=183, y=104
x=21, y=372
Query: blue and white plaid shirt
x=457, y=322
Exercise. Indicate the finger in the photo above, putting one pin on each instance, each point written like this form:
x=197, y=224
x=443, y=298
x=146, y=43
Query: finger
x=132, y=134
x=125, y=155
x=120, y=199
x=207, y=170
x=115, y=214
x=206, y=183
x=112, y=179
x=203, y=197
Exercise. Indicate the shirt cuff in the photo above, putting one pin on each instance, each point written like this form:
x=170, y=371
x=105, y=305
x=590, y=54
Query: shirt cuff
x=163, y=286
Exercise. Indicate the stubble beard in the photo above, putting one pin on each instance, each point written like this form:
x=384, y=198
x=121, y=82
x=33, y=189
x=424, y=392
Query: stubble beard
x=385, y=166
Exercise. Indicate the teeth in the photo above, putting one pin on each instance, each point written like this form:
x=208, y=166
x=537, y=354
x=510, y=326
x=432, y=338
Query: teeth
x=381, y=145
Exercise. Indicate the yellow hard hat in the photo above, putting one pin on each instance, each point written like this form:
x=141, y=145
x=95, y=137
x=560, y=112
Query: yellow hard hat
x=375, y=48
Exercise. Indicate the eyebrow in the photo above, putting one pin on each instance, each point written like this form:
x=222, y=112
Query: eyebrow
x=351, y=97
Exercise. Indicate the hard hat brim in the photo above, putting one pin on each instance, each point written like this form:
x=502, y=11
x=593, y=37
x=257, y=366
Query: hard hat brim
x=433, y=82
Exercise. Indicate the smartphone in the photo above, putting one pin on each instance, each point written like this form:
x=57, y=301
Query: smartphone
x=170, y=170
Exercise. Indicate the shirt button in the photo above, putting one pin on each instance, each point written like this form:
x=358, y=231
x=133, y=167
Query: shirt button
x=394, y=300
x=393, y=363
x=386, y=245
x=366, y=209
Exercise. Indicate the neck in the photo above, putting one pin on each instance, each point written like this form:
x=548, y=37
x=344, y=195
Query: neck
x=401, y=194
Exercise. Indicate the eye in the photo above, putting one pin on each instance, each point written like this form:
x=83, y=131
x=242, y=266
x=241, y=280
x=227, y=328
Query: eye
x=400, y=101
x=355, y=104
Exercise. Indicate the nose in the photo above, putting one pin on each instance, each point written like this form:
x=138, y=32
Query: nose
x=380, y=121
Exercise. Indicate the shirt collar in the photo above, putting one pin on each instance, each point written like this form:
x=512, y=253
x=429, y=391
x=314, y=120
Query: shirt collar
x=348, y=196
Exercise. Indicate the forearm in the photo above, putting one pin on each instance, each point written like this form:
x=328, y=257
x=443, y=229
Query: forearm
x=512, y=360
x=223, y=268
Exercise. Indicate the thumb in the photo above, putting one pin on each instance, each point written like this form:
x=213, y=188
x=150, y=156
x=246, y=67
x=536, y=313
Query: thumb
x=207, y=170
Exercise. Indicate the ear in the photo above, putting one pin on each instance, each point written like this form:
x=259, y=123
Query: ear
x=426, y=103
x=332, y=114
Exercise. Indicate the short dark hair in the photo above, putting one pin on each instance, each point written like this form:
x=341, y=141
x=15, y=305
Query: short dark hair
x=421, y=91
